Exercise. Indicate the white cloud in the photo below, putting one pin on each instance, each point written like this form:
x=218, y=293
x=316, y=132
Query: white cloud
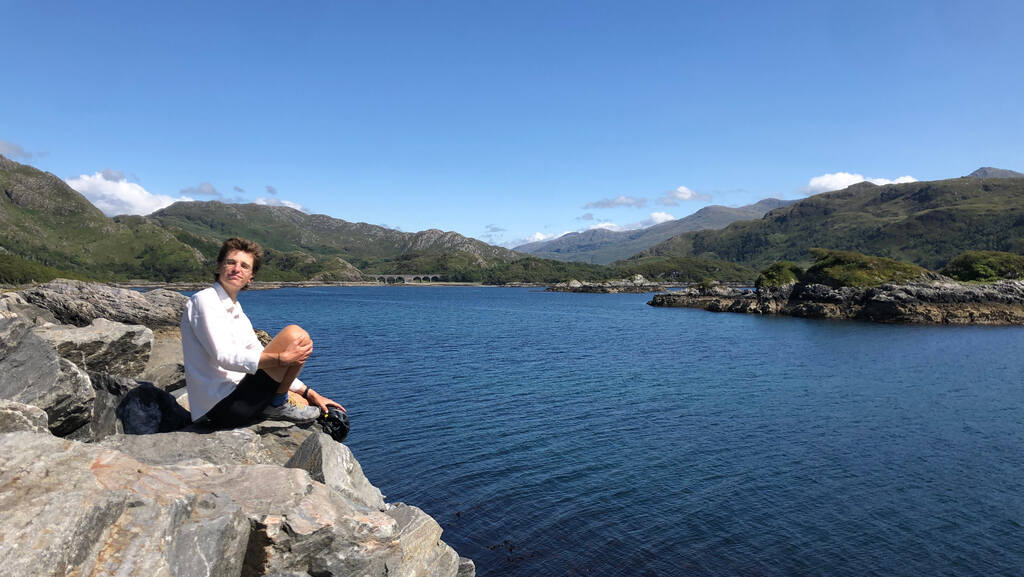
x=621, y=200
x=535, y=237
x=539, y=236
x=660, y=217
x=115, y=195
x=653, y=219
x=841, y=180
x=279, y=202
x=681, y=194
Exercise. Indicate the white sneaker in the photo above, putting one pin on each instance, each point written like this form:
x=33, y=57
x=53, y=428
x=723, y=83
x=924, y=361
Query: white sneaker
x=292, y=413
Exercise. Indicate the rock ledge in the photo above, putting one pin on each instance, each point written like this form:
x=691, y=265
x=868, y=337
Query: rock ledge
x=931, y=300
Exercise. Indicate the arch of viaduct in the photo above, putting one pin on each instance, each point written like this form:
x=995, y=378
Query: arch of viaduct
x=406, y=278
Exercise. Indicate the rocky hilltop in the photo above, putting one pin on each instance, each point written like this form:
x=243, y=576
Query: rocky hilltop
x=931, y=299
x=99, y=481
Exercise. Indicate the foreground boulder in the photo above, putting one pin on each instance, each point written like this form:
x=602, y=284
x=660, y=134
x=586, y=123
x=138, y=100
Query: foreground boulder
x=199, y=505
x=31, y=372
x=930, y=300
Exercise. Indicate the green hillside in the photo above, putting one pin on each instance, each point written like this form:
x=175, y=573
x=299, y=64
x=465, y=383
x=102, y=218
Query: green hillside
x=290, y=236
x=46, y=222
x=925, y=223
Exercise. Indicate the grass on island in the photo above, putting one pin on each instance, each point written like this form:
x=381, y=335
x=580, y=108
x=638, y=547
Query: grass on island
x=840, y=268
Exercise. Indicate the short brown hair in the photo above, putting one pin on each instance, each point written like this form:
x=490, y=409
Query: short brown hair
x=235, y=243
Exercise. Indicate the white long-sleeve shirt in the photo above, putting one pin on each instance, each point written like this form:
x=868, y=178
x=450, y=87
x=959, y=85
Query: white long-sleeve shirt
x=219, y=348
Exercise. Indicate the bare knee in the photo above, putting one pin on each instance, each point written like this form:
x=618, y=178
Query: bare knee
x=287, y=336
x=292, y=332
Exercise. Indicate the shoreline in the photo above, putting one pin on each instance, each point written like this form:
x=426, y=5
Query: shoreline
x=928, y=301
x=270, y=285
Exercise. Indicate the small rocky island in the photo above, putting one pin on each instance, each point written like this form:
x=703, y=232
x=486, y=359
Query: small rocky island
x=81, y=366
x=636, y=284
x=843, y=285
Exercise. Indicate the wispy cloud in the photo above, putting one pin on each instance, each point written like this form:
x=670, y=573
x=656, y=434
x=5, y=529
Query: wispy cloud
x=239, y=189
x=621, y=200
x=682, y=194
x=113, y=175
x=11, y=149
x=841, y=180
x=587, y=216
x=493, y=228
x=271, y=190
x=202, y=189
x=110, y=192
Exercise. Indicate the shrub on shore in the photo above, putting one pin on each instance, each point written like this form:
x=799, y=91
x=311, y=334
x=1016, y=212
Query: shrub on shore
x=985, y=266
x=779, y=274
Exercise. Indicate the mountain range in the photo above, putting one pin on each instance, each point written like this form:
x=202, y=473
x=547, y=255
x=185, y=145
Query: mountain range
x=601, y=246
x=48, y=229
x=927, y=223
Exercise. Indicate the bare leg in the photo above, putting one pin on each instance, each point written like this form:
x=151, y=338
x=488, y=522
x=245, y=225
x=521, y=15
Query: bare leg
x=285, y=375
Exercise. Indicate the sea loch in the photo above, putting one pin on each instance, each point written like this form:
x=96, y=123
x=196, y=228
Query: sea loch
x=577, y=434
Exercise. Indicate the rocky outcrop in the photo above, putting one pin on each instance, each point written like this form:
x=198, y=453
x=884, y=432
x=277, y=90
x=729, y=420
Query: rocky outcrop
x=32, y=373
x=79, y=303
x=81, y=497
x=87, y=509
x=117, y=348
x=635, y=284
x=931, y=300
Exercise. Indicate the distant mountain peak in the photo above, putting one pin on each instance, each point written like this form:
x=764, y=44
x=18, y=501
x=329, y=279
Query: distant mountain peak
x=990, y=172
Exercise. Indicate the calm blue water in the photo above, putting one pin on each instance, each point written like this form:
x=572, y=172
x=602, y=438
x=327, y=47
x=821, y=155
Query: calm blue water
x=572, y=434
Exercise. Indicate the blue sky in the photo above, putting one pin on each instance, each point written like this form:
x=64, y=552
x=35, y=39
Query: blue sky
x=506, y=120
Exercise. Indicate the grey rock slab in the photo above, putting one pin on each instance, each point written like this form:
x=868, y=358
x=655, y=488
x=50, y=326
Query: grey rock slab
x=78, y=509
x=15, y=416
x=32, y=373
x=424, y=554
x=79, y=303
x=232, y=447
x=333, y=464
x=104, y=346
x=166, y=367
x=13, y=304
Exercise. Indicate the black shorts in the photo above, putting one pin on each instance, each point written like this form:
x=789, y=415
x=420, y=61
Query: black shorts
x=244, y=404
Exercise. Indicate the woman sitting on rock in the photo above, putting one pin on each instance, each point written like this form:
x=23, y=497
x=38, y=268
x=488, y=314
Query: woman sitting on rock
x=232, y=379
